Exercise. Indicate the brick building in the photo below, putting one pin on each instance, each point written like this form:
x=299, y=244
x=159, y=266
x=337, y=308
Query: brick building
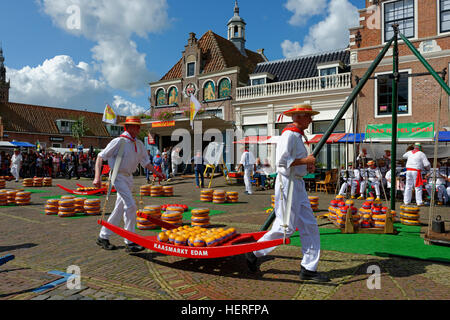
x=426, y=24
x=211, y=68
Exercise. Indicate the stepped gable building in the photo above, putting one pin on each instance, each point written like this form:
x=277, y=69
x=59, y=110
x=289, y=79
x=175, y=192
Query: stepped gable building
x=426, y=24
x=322, y=80
x=211, y=68
x=50, y=126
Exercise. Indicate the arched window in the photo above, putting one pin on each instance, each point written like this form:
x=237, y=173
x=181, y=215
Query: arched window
x=209, y=91
x=224, y=88
x=160, y=97
x=173, y=95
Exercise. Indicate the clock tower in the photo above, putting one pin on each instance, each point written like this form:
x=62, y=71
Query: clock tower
x=4, y=85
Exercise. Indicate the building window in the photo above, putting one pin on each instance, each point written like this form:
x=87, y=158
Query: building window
x=402, y=13
x=173, y=95
x=326, y=82
x=64, y=126
x=190, y=72
x=114, y=130
x=56, y=145
x=209, y=91
x=444, y=9
x=258, y=81
x=384, y=94
x=331, y=156
x=224, y=88
x=160, y=97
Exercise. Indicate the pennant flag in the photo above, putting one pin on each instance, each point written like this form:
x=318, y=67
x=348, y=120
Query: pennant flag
x=109, y=116
x=38, y=146
x=195, y=106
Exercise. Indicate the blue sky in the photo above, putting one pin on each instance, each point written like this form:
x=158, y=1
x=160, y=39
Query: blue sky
x=121, y=45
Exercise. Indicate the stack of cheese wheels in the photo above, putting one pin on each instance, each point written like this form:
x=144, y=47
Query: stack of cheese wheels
x=23, y=198
x=378, y=219
x=27, y=182
x=66, y=208
x=3, y=198
x=79, y=204
x=272, y=199
x=47, y=182
x=366, y=218
x=232, y=196
x=145, y=224
x=206, y=195
x=92, y=207
x=332, y=210
x=410, y=215
x=219, y=196
x=38, y=182
x=197, y=236
x=156, y=191
x=342, y=215
x=167, y=191
x=52, y=206
x=11, y=197
x=340, y=198
x=67, y=197
x=314, y=201
x=145, y=190
x=173, y=215
x=200, y=217
x=2, y=183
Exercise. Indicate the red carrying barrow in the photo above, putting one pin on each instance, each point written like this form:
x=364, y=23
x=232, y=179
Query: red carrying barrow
x=242, y=243
x=85, y=193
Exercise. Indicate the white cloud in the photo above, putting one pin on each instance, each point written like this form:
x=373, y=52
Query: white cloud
x=303, y=9
x=126, y=108
x=111, y=24
x=58, y=82
x=329, y=34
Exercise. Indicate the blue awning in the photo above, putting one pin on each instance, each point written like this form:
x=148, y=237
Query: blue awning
x=353, y=137
x=23, y=144
x=444, y=136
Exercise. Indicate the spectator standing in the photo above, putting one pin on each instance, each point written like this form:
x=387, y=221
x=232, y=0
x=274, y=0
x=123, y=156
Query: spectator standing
x=248, y=163
x=165, y=164
x=16, y=163
x=199, y=168
x=175, y=158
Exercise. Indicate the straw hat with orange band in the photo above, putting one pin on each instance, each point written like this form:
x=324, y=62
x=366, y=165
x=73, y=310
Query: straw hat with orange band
x=132, y=120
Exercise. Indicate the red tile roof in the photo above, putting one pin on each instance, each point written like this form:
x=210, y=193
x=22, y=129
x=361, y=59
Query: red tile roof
x=220, y=54
x=18, y=117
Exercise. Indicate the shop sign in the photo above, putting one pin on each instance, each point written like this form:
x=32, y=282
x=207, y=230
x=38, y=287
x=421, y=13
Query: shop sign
x=418, y=130
x=57, y=139
x=163, y=124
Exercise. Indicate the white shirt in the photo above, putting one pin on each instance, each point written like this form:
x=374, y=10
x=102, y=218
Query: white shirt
x=439, y=180
x=416, y=160
x=285, y=153
x=374, y=174
x=16, y=160
x=247, y=159
x=130, y=158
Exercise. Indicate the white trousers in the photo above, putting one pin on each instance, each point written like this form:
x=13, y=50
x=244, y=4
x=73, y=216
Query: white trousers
x=15, y=171
x=409, y=186
x=248, y=170
x=442, y=192
x=302, y=218
x=174, y=169
x=125, y=207
x=376, y=185
x=345, y=185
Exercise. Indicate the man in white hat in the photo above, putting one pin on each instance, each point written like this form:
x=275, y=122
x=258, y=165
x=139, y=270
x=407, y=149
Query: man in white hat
x=16, y=163
x=248, y=162
x=416, y=163
x=133, y=153
x=302, y=216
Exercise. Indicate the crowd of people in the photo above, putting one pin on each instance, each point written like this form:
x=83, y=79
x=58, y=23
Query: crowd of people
x=32, y=163
x=414, y=177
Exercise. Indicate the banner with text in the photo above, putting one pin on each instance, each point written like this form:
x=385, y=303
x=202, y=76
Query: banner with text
x=418, y=130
